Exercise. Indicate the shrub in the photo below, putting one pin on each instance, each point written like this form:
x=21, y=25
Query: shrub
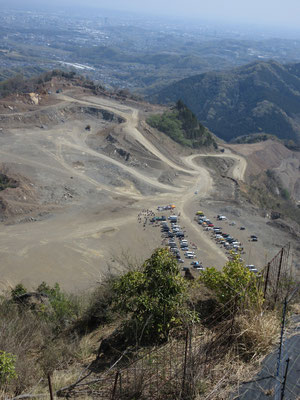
x=7, y=367
x=99, y=310
x=65, y=308
x=233, y=280
x=18, y=290
x=154, y=296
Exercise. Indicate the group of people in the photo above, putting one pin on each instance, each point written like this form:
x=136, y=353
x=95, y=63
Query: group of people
x=144, y=216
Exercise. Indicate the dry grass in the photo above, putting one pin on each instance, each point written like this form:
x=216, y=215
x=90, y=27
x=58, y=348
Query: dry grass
x=256, y=333
x=295, y=308
x=225, y=375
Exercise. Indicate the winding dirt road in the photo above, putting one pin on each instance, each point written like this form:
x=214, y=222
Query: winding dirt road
x=75, y=245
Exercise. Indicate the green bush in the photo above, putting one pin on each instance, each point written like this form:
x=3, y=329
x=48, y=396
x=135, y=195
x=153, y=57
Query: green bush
x=234, y=280
x=18, y=290
x=154, y=297
x=7, y=367
x=65, y=307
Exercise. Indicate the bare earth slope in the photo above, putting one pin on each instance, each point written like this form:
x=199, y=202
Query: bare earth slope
x=85, y=171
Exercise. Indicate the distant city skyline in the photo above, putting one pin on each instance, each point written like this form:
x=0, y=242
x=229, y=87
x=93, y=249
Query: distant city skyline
x=268, y=13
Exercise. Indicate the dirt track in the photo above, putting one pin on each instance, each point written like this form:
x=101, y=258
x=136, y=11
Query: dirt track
x=93, y=198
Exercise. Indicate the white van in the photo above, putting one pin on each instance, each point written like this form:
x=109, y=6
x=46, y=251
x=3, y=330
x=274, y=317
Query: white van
x=189, y=253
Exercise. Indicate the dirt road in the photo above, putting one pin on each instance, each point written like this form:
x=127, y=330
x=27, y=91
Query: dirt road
x=95, y=198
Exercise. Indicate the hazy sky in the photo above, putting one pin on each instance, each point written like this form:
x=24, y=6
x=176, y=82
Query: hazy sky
x=282, y=13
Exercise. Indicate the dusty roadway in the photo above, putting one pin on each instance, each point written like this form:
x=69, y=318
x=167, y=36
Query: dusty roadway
x=80, y=240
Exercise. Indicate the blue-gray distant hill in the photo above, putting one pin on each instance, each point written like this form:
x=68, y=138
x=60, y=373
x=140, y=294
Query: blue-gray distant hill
x=261, y=97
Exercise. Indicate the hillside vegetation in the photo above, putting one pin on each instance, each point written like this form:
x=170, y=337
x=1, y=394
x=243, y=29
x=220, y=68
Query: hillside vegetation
x=182, y=125
x=261, y=97
x=147, y=319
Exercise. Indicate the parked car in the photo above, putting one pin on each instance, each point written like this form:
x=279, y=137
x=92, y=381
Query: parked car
x=190, y=256
x=252, y=268
x=174, y=250
x=180, y=234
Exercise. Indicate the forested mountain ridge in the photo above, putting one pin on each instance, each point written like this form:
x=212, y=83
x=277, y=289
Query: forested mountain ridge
x=258, y=97
x=182, y=125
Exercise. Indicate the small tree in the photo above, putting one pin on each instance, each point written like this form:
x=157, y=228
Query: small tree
x=7, y=367
x=154, y=296
x=233, y=280
x=65, y=308
x=18, y=290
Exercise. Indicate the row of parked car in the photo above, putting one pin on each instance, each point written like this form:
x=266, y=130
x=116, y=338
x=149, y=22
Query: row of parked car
x=223, y=238
x=173, y=232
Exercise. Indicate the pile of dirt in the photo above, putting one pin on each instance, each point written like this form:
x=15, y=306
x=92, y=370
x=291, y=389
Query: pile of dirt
x=18, y=196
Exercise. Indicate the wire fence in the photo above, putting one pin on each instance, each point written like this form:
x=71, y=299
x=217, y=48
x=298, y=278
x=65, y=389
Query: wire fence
x=170, y=371
x=174, y=370
x=277, y=282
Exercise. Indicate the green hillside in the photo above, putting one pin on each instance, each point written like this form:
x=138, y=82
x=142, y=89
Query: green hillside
x=182, y=125
x=261, y=97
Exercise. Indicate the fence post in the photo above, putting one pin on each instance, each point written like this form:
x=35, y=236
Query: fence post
x=185, y=362
x=267, y=280
x=278, y=276
x=120, y=382
x=50, y=386
x=115, y=385
x=284, y=378
x=277, y=384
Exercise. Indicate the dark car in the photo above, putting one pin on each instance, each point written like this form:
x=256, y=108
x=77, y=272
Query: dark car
x=242, y=228
x=253, y=237
x=179, y=234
